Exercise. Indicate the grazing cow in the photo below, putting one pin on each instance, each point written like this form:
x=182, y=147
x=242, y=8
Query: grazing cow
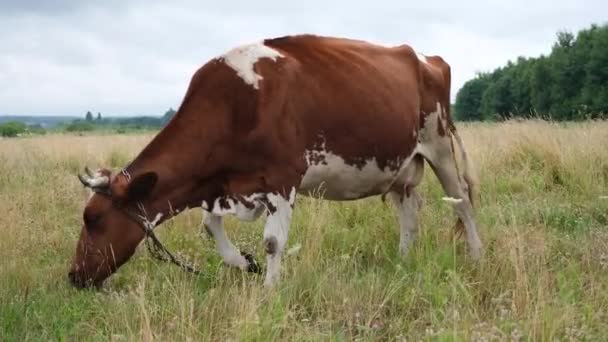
x=293, y=115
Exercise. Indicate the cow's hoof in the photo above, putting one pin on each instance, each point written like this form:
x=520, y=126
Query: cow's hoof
x=252, y=264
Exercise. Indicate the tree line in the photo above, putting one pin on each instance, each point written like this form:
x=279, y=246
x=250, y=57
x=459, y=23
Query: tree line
x=92, y=122
x=571, y=83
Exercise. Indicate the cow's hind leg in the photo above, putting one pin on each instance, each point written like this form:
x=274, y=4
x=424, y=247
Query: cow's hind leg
x=439, y=153
x=213, y=224
x=406, y=207
x=407, y=202
x=276, y=230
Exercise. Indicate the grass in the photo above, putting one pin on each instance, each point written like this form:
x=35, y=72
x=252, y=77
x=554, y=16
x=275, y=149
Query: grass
x=544, y=275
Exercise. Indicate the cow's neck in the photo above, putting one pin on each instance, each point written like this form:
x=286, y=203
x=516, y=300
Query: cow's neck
x=179, y=155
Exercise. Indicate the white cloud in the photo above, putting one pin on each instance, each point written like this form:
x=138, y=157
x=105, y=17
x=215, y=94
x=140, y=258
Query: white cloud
x=136, y=57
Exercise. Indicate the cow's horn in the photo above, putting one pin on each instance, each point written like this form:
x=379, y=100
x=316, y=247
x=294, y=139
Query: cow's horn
x=84, y=181
x=91, y=180
x=88, y=172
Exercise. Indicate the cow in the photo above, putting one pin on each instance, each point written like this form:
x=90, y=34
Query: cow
x=332, y=117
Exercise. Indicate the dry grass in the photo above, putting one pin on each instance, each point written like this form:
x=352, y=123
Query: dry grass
x=544, y=275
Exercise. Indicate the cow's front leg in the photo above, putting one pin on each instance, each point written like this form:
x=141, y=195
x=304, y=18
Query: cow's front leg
x=230, y=254
x=280, y=208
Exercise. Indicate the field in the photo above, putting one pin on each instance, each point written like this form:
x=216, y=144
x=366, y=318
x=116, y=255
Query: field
x=543, y=220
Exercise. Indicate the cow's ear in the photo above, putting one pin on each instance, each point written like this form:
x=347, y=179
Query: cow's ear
x=141, y=186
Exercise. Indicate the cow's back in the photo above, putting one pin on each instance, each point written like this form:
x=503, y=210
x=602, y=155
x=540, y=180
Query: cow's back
x=348, y=109
x=339, y=85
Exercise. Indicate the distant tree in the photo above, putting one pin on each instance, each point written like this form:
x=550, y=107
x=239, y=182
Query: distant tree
x=89, y=116
x=140, y=122
x=540, y=92
x=98, y=116
x=497, y=99
x=468, y=100
x=596, y=70
x=36, y=129
x=520, y=86
x=79, y=126
x=564, y=39
x=12, y=129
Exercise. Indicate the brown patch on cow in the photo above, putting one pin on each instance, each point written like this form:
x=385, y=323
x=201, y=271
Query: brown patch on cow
x=422, y=120
x=252, y=264
x=248, y=204
x=316, y=154
x=358, y=162
x=270, y=245
x=271, y=207
x=408, y=191
x=223, y=202
x=316, y=158
x=440, y=128
x=358, y=123
x=436, y=77
x=394, y=164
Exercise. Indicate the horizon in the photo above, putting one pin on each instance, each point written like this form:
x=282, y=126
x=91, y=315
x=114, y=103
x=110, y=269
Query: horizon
x=2, y=115
x=116, y=58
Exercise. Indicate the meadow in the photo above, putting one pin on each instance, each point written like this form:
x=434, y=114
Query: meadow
x=542, y=215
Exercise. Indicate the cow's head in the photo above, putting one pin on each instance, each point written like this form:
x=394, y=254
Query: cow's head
x=110, y=232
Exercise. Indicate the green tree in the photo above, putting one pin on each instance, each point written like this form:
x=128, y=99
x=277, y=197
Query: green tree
x=596, y=68
x=89, y=116
x=570, y=83
x=497, y=99
x=520, y=87
x=12, y=129
x=79, y=126
x=566, y=77
x=540, y=92
x=98, y=116
x=468, y=99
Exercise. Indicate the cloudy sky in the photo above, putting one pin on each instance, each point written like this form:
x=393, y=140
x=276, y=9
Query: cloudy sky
x=64, y=57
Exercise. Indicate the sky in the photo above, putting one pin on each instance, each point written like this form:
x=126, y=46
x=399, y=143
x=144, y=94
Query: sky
x=136, y=57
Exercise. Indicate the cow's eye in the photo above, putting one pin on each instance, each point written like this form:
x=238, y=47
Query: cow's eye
x=90, y=220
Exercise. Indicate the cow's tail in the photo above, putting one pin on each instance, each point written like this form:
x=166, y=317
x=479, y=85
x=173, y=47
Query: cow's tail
x=469, y=178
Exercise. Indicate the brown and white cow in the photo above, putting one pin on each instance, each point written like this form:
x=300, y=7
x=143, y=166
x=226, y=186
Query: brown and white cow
x=294, y=115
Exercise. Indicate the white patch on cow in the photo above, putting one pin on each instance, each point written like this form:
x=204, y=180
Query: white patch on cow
x=332, y=178
x=421, y=57
x=233, y=207
x=229, y=253
x=221, y=210
x=156, y=219
x=292, y=196
x=243, y=58
x=275, y=234
x=428, y=135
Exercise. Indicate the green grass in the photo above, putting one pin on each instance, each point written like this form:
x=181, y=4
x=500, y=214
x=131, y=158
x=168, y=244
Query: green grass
x=544, y=275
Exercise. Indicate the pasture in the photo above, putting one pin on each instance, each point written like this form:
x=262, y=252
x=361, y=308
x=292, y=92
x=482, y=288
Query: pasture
x=542, y=218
